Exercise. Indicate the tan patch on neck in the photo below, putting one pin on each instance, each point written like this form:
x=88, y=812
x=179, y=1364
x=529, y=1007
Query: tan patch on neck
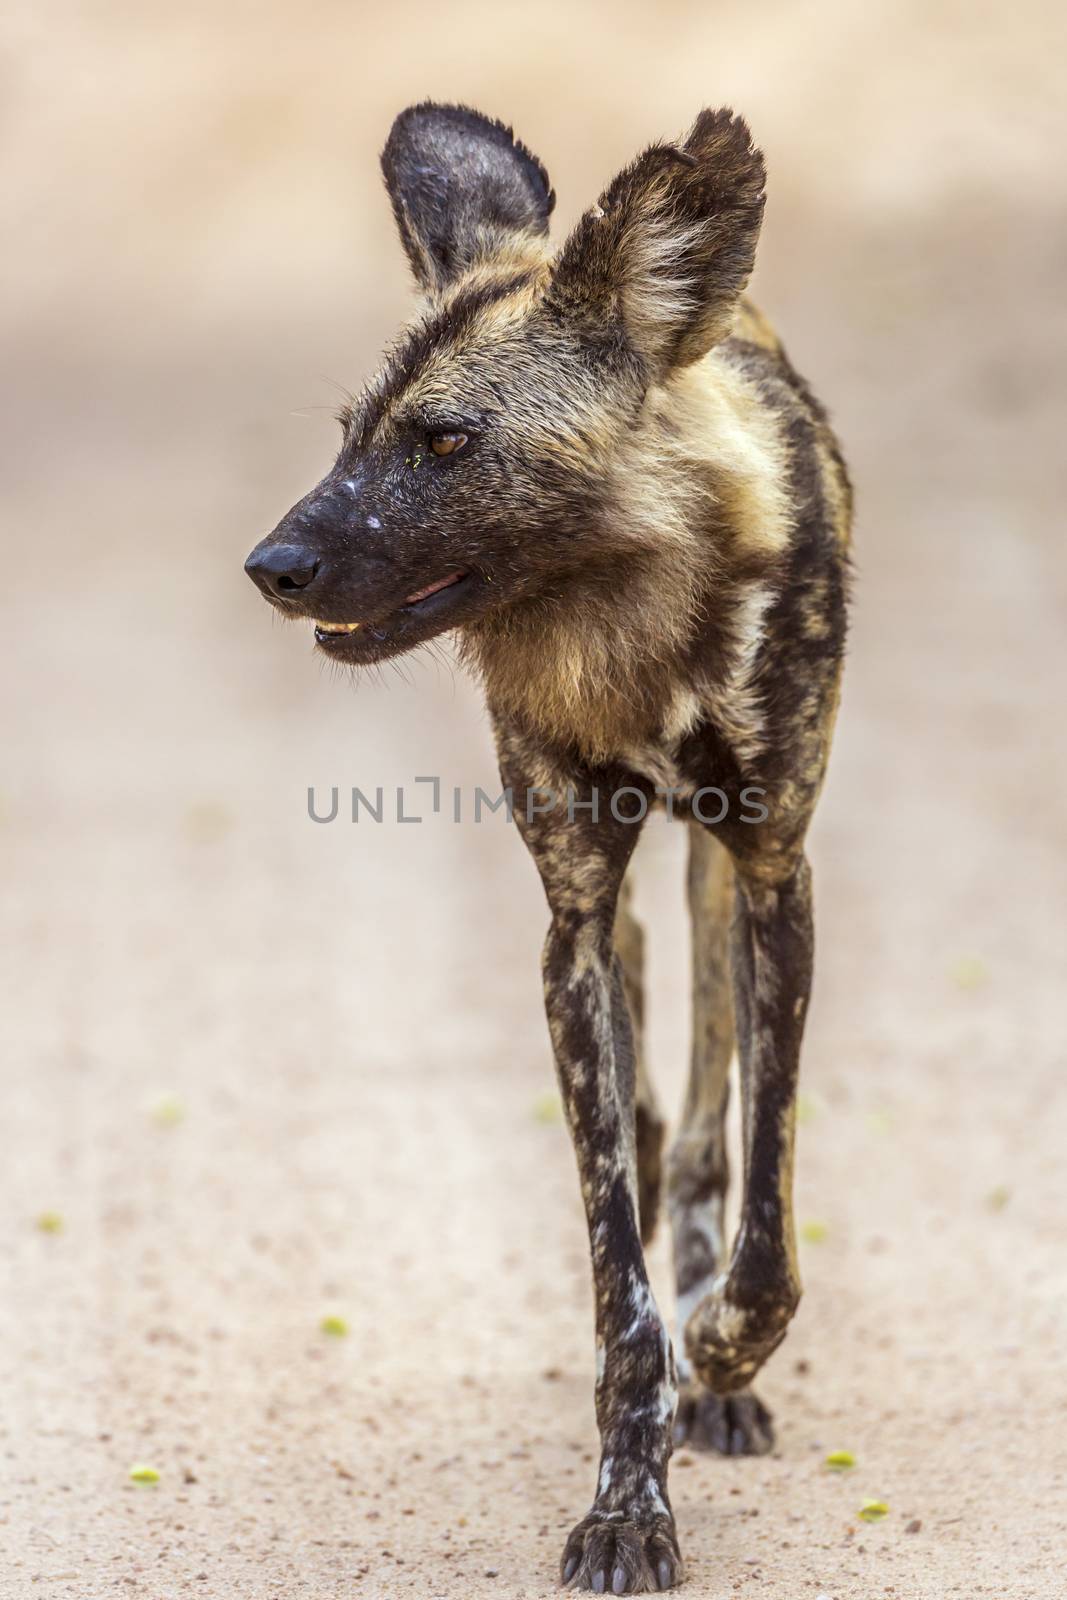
x=587, y=669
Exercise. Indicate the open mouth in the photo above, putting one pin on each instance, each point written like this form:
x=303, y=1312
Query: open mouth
x=424, y=603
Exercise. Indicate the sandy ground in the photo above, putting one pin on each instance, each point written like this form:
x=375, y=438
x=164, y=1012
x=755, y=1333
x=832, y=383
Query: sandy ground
x=349, y=1015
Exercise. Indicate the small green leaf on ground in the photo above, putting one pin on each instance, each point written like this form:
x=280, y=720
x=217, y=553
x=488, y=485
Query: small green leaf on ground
x=139, y=1473
x=873, y=1511
x=335, y=1326
x=840, y=1460
x=167, y=1110
x=998, y=1198
x=969, y=972
x=50, y=1222
x=814, y=1232
x=548, y=1108
x=807, y=1110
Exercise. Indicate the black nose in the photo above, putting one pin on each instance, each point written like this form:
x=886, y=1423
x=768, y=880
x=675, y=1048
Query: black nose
x=281, y=569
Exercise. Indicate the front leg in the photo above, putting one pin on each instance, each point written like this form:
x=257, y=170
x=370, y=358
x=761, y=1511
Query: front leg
x=627, y=1542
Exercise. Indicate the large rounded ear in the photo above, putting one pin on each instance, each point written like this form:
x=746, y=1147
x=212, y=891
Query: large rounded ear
x=670, y=245
x=462, y=188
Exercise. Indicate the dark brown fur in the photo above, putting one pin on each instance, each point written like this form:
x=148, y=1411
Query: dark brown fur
x=645, y=532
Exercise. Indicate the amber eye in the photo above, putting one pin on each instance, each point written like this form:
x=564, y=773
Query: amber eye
x=446, y=444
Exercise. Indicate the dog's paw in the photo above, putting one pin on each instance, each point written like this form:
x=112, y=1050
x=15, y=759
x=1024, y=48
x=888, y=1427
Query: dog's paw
x=727, y=1344
x=731, y=1425
x=610, y=1554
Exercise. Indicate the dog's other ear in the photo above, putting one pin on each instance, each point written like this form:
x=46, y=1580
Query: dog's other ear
x=670, y=245
x=463, y=188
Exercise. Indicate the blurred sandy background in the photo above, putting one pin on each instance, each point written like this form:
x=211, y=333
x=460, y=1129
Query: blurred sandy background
x=196, y=251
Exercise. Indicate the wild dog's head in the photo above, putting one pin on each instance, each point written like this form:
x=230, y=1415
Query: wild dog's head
x=480, y=469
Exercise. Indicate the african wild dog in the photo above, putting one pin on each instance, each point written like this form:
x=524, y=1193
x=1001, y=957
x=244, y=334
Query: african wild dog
x=598, y=468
